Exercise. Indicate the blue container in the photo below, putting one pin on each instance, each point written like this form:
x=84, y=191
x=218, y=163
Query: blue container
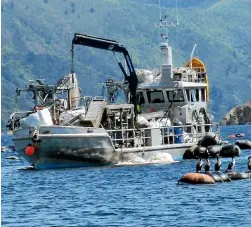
x=178, y=134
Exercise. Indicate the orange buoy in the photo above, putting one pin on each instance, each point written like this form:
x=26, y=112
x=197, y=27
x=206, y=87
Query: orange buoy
x=197, y=178
x=29, y=150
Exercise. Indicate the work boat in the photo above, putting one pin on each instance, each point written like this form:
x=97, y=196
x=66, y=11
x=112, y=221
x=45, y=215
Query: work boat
x=165, y=113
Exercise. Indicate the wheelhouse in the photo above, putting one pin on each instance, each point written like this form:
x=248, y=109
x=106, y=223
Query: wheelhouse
x=159, y=99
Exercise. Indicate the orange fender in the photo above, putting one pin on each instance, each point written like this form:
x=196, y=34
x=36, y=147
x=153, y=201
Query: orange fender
x=197, y=178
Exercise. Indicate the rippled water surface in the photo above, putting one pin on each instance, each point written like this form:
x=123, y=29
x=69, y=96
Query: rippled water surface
x=123, y=196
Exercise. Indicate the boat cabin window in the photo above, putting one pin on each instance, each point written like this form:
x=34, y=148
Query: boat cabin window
x=203, y=95
x=188, y=95
x=155, y=96
x=175, y=96
x=140, y=98
x=195, y=95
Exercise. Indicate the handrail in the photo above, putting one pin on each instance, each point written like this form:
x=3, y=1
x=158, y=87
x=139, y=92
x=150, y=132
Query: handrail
x=168, y=134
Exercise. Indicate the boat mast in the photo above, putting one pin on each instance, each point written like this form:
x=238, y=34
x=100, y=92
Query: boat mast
x=166, y=50
x=191, y=57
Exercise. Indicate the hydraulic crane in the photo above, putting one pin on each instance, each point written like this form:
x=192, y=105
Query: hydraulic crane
x=114, y=46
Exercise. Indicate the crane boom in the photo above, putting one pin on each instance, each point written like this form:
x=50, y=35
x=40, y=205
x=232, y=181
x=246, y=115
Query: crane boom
x=97, y=42
x=114, y=46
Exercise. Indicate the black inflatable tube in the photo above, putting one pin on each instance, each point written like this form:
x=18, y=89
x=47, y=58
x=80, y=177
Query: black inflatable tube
x=230, y=151
x=210, y=139
x=239, y=175
x=216, y=177
x=222, y=176
x=243, y=144
x=214, y=150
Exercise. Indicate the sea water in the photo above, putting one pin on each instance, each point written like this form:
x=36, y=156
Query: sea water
x=126, y=195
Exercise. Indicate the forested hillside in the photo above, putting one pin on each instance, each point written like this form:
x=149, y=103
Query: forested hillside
x=36, y=43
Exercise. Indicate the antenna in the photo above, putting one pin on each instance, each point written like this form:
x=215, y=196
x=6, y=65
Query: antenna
x=166, y=50
x=160, y=16
x=164, y=23
x=191, y=57
x=177, y=15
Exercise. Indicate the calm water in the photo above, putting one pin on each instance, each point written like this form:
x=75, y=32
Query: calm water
x=122, y=196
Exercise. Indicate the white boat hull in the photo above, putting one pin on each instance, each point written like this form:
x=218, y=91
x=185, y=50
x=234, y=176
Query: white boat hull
x=155, y=154
x=66, y=146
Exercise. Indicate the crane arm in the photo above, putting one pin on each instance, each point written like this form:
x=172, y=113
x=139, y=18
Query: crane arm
x=97, y=42
x=114, y=46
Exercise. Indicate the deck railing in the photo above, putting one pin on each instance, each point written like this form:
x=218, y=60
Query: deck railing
x=161, y=136
x=201, y=77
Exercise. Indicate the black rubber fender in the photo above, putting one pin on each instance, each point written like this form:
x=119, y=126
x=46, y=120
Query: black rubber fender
x=224, y=176
x=238, y=175
x=215, y=176
x=200, y=151
x=189, y=153
x=230, y=151
x=243, y=144
x=210, y=139
x=214, y=150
